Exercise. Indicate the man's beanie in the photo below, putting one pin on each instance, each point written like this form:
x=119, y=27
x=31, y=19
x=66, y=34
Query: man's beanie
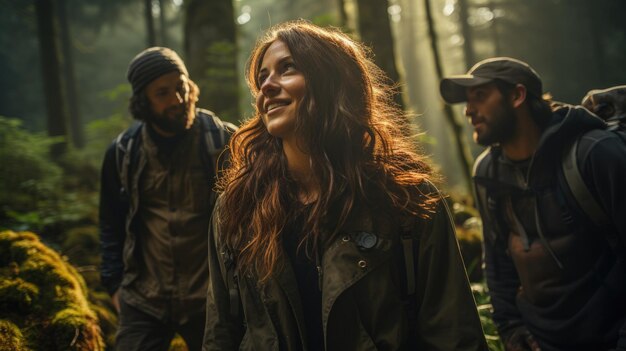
x=506, y=69
x=152, y=63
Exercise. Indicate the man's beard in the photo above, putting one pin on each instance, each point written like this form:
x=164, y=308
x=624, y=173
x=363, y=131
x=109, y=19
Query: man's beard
x=175, y=119
x=501, y=127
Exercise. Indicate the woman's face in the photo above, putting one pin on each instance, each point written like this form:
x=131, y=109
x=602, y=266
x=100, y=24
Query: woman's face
x=281, y=89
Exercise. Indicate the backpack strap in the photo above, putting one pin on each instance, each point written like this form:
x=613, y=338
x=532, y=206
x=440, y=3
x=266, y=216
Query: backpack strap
x=232, y=283
x=123, y=154
x=580, y=191
x=583, y=197
x=411, y=230
x=219, y=131
x=489, y=192
x=409, y=245
x=216, y=135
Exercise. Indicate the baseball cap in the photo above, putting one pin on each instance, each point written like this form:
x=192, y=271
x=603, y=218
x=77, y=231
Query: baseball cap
x=506, y=69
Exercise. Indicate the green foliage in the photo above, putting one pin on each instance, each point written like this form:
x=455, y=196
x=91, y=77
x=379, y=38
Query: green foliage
x=485, y=311
x=60, y=199
x=469, y=233
x=43, y=298
x=28, y=177
x=37, y=193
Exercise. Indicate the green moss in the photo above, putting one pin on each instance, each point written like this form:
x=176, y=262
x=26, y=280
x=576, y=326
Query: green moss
x=46, y=296
x=178, y=344
x=17, y=295
x=11, y=337
x=108, y=323
x=75, y=330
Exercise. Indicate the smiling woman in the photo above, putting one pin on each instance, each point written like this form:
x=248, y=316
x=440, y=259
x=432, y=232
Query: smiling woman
x=329, y=234
x=282, y=88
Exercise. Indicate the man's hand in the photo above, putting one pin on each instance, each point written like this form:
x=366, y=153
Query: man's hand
x=520, y=339
x=115, y=299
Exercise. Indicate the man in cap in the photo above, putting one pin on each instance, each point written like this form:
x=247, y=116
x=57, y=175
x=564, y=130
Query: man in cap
x=155, y=203
x=557, y=280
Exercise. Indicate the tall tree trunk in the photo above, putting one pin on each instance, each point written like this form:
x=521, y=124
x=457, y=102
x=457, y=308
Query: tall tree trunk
x=466, y=31
x=150, y=31
x=457, y=129
x=408, y=42
x=162, y=25
x=75, y=120
x=595, y=22
x=375, y=31
x=343, y=15
x=50, y=63
x=211, y=52
x=495, y=34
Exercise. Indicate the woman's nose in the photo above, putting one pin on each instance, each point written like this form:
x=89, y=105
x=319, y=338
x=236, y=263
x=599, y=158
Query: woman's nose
x=270, y=86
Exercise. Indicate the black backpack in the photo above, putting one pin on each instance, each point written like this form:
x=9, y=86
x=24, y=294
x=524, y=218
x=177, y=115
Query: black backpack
x=610, y=105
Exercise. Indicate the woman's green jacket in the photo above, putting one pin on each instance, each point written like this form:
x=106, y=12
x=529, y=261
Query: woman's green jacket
x=364, y=304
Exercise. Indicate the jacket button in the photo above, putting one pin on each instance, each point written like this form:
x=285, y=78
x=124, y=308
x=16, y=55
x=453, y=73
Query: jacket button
x=366, y=240
x=362, y=264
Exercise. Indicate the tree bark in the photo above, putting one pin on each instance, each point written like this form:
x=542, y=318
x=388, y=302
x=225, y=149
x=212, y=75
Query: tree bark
x=375, y=31
x=150, y=31
x=75, y=120
x=495, y=34
x=343, y=15
x=162, y=24
x=408, y=41
x=50, y=63
x=457, y=129
x=211, y=52
x=466, y=31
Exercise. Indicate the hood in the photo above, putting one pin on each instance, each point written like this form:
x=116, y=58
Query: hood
x=567, y=124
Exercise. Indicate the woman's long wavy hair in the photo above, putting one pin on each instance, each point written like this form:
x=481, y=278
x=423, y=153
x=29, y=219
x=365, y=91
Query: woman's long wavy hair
x=356, y=139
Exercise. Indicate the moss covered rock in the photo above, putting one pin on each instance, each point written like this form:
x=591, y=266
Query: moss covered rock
x=43, y=299
x=11, y=337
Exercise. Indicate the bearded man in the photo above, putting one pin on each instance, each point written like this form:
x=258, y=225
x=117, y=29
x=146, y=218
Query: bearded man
x=155, y=204
x=557, y=279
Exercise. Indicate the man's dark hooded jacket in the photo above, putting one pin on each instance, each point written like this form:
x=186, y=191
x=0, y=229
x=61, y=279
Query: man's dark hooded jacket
x=549, y=269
